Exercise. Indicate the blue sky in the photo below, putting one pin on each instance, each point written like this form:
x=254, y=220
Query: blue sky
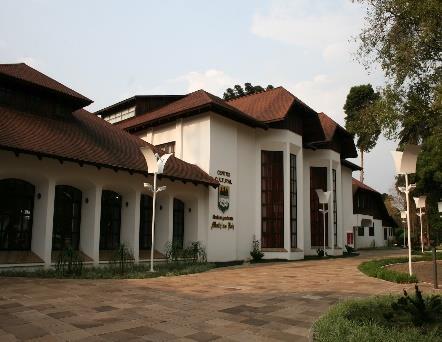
x=110, y=50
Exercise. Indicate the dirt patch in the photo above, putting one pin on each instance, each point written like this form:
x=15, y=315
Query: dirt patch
x=423, y=270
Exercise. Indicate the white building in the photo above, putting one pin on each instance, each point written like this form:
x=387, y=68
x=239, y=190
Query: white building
x=269, y=151
x=242, y=169
x=372, y=225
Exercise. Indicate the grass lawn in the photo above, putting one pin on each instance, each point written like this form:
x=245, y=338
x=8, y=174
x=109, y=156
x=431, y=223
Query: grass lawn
x=363, y=321
x=107, y=272
x=375, y=268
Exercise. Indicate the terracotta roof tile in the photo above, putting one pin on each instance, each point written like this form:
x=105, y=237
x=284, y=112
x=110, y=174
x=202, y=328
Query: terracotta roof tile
x=84, y=137
x=25, y=73
x=361, y=185
x=267, y=106
x=199, y=99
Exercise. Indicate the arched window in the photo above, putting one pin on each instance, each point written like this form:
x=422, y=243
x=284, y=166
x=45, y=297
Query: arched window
x=178, y=222
x=16, y=212
x=110, y=222
x=67, y=217
x=145, y=222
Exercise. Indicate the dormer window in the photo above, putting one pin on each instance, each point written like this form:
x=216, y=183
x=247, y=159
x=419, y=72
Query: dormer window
x=121, y=115
x=168, y=147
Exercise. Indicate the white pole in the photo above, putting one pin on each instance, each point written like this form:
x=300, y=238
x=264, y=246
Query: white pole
x=323, y=217
x=153, y=220
x=422, y=234
x=407, y=189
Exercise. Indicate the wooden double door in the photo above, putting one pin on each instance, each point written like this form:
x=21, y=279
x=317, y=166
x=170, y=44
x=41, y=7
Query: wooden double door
x=318, y=180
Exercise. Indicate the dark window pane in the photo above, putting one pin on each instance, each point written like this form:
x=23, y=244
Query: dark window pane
x=110, y=223
x=178, y=222
x=16, y=213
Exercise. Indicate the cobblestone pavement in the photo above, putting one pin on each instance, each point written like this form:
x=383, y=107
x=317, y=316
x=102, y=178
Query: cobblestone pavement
x=265, y=302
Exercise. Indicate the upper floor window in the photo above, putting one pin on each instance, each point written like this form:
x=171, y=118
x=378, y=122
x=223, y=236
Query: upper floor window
x=168, y=147
x=121, y=115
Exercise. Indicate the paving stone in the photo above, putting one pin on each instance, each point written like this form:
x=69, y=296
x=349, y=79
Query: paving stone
x=267, y=302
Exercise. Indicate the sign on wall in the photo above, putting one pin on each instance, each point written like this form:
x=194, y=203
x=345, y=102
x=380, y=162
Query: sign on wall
x=221, y=221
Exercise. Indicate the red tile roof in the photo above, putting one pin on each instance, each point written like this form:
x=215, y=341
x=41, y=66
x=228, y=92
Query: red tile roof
x=361, y=185
x=86, y=138
x=330, y=126
x=198, y=100
x=267, y=106
x=27, y=75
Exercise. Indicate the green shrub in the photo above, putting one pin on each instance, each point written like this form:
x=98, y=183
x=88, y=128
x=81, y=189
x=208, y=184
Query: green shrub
x=321, y=253
x=174, y=251
x=363, y=320
x=417, y=309
x=69, y=262
x=195, y=252
x=256, y=252
x=350, y=249
x=122, y=259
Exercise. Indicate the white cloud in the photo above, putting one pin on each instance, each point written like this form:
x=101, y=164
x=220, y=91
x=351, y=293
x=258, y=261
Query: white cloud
x=310, y=24
x=212, y=80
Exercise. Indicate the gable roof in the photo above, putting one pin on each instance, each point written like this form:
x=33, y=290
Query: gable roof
x=266, y=106
x=330, y=127
x=197, y=101
x=358, y=184
x=25, y=74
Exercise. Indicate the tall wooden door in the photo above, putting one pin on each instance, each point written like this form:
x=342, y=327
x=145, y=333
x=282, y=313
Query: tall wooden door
x=318, y=180
x=272, y=199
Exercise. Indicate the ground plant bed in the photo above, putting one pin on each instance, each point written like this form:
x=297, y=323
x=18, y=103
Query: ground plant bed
x=139, y=271
x=367, y=320
x=378, y=268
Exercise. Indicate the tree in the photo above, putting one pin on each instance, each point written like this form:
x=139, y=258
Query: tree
x=229, y=94
x=248, y=89
x=360, y=120
x=405, y=38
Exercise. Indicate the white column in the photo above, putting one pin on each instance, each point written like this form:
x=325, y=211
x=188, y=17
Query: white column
x=300, y=198
x=179, y=139
x=43, y=221
x=331, y=228
x=90, y=223
x=286, y=174
x=339, y=203
x=130, y=222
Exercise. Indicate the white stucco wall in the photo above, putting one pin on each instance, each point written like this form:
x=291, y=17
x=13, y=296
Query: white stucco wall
x=45, y=174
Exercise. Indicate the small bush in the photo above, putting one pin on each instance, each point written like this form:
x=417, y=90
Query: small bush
x=417, y=309
x=174, y=251
x=195, y=252
x=69, y=262
x=256, y=252
x=122, y=259
x=350, y=249
x=321, y=253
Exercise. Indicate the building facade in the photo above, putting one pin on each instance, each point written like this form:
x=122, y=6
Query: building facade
x=269, y=152
x=372, y=225
x=242, y=170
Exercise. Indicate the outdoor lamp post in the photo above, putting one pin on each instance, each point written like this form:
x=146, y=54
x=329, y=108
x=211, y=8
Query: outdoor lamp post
x=324, y=197
x=439, y=207
x=420, y=203
x=156, y=165
x=404, y=220
x=405, y=164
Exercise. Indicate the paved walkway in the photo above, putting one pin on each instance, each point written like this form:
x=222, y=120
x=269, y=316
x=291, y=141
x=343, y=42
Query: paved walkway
x=266, y=302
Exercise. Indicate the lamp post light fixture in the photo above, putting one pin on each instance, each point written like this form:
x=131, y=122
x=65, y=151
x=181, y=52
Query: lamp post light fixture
x=404, y=220
x=420, y=203
x=439, y=207
x=405, y=164
x=156, y=165
x=324, y=197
